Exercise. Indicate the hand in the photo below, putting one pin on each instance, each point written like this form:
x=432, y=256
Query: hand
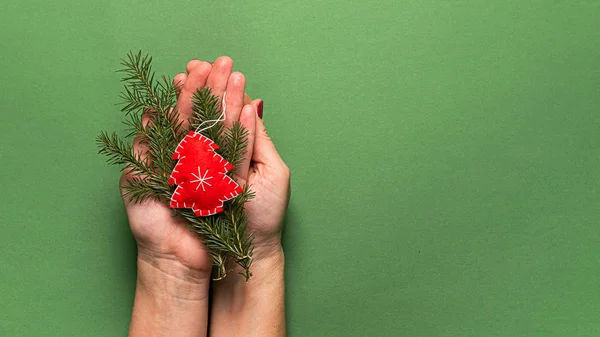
x=256, y=307
x=173, y=266
x=269, y=178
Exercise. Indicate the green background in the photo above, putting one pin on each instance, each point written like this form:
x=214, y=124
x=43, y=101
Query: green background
x=444, y=159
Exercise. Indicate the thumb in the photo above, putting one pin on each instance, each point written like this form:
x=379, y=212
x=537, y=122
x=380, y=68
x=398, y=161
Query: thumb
x=264, y=150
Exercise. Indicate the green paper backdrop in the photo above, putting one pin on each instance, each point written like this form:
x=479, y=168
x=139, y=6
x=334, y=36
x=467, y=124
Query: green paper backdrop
x=444, y=159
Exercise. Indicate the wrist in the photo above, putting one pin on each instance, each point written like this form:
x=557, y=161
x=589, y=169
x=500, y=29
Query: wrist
x=167, y=295
x=267, y=249
x=267, y=274
x=170, y=279
x=253, y=308
x=267, y=262
x=167, y=270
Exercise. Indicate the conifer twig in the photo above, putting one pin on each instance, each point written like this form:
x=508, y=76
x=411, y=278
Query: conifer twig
x=224, y=233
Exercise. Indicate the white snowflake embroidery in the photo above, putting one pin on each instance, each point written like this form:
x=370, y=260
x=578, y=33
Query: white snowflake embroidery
x=201, y=179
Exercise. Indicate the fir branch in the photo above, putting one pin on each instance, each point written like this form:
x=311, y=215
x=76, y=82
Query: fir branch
x=236, y=216
x=206, y=107
x=119, y=152
x=139, y=189
x=135, y=127
x=219, y=259
x=161, y=145
x=236, y=142
x=225, y=233
x=169, y=91
x=134, y=100
x=214, y=234
x=139, y=77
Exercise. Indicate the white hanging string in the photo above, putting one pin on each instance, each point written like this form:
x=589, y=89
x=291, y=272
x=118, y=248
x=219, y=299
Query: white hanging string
x=214, y=121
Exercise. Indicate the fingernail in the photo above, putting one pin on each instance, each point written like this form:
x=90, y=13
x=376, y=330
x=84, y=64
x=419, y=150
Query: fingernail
x=259, y=109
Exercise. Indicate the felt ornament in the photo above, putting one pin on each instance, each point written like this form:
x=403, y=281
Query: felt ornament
x=201, y=176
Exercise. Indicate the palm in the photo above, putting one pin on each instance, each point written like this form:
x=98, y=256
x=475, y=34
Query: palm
x=159, y=233
x=267, y=210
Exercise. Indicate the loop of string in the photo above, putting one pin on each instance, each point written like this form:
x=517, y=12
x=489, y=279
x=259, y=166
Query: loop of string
x=214, y=121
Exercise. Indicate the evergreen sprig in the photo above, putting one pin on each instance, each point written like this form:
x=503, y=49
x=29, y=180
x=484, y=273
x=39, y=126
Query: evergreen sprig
x=224, y=233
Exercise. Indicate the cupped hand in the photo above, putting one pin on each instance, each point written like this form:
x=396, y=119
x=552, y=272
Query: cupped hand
x=159, y=234
x=269, y=178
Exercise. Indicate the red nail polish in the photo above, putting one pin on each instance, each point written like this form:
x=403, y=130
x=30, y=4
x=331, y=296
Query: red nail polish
x=259, y=109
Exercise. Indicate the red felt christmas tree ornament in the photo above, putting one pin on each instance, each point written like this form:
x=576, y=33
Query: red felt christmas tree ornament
x=201, y=176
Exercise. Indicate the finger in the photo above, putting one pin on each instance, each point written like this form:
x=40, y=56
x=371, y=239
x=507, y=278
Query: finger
x=195, y=79
x=235, y=98
x=264, y=151
x=190, y=65
x=258, y=106
x=248, y=120
x=178, y=82
x=219, y=75
x=259, y=109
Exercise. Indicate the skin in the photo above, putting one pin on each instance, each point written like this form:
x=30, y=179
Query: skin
x=174, y=269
